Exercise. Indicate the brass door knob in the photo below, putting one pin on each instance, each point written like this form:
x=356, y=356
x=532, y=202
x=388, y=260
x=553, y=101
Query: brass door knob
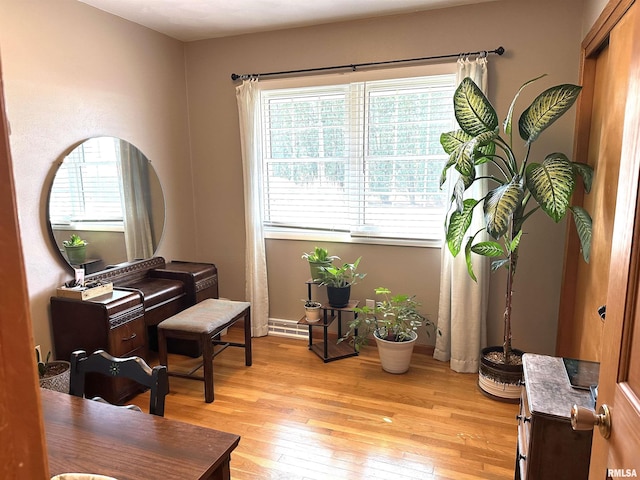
x=583, y=418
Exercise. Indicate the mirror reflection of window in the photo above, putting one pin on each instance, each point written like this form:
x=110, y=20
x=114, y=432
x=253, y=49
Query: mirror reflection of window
x=106, y=191
x=87, y=187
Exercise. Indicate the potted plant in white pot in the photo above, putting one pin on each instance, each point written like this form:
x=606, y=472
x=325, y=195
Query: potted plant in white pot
x=393, y=322
x=518, y=188
x=312, y=310
x=339, y=280
x=318, y=258
x=54, y=375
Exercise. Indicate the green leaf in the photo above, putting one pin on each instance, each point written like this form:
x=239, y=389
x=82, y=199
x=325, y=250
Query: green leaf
x=458, y=194
x=443, y=175
x=463, y=159
x=515, y=242
x=451, y=141
x=458, y=226
x=488, y=249
x=509, y=117
x=467, y=258
x=586, y=172
x=552, y=184
x=496, y=264
x=473, y=111
x=499, y=205
x=546, y=109
x=583, y=223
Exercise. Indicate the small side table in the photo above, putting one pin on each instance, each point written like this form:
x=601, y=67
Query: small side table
x=329, y=352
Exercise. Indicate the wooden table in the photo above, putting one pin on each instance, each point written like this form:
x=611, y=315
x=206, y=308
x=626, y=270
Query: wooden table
x=86, y=436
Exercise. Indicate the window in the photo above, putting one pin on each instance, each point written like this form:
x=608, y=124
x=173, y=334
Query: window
x=87, y=186
x=362, y=158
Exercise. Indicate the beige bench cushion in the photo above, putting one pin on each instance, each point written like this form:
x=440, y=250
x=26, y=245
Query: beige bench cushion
x=206, y=316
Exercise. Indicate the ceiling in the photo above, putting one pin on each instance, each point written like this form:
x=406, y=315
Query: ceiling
x=189, y=20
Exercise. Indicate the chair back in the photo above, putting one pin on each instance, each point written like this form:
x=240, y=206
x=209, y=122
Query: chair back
x=133, y=368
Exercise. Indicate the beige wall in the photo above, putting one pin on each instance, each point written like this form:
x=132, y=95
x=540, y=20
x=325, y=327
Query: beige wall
x=540, y=37
x=592, y=10
x=71, y=72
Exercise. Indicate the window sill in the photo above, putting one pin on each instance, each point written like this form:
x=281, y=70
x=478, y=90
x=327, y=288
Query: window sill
x=342, y=237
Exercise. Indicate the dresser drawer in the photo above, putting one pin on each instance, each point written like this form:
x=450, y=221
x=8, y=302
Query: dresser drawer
x=128, y=339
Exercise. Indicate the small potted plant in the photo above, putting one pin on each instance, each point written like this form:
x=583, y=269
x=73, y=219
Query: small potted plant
x=339, y=280
x=312, y=310
x=75, y=248
x=318, y=258
x=54, y=375
x=393, y=322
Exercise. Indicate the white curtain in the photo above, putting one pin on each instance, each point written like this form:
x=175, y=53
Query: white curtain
x=462, y=315
x=134, y=169
x=248, y=97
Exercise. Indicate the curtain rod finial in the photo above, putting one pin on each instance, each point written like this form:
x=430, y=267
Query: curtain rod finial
x=500, y=50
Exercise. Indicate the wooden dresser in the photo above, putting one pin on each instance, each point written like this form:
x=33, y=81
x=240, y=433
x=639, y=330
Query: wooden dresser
x=547, y=447
x=124, y=321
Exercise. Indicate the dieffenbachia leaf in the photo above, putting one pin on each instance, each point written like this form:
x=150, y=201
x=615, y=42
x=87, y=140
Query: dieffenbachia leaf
x=496, y=264
x=583, y=223
x=468, y=261
x=586, y=173
x=473, y=111
x=509, y=118
x=515, y=242
x=499, y=205
x=546, y=109
x=458, y=225
x=488, y=249
x=551, y=184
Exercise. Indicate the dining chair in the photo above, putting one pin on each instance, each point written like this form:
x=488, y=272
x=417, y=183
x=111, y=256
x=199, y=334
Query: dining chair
x=133, y=368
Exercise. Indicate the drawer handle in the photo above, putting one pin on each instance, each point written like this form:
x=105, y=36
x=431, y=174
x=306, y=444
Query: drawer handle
x=134, y=335
x=523, y=457
x=523, y=418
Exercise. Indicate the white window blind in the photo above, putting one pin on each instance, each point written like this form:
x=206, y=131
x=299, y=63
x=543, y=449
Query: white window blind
x=362, y=158
x=87, y=185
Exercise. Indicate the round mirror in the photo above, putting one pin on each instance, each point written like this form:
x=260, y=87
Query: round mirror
x=105, y=205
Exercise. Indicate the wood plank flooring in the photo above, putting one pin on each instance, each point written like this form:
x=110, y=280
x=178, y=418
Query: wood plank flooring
x=302, y=419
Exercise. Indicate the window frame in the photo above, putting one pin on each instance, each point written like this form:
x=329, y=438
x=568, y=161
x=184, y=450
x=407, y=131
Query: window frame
x=294, y=233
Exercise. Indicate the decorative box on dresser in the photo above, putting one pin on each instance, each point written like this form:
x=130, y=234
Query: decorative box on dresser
x=548, y=448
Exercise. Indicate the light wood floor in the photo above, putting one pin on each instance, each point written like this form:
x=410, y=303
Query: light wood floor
x=300, y=418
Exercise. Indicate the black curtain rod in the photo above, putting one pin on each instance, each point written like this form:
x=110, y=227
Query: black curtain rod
x=354, y=66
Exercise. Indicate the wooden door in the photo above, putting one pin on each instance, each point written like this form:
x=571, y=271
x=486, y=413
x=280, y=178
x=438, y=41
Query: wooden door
x=22, y=442
x=619, y=384
x=600, y=120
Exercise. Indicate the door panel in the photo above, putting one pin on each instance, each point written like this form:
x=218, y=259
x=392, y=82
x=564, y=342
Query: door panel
x=619, y=384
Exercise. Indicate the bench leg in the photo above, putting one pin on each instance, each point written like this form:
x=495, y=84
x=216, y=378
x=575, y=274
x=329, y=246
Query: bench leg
x=247, y=338
x=207, y=366
x=162, y=348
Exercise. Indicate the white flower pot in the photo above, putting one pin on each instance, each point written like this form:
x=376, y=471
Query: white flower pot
x=395, y=357
x=312, y=314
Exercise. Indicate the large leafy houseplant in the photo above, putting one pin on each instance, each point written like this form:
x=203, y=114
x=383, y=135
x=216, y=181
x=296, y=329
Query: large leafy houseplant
x=519, y=187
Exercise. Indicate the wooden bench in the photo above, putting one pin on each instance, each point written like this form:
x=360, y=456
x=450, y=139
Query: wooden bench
x=204, y=323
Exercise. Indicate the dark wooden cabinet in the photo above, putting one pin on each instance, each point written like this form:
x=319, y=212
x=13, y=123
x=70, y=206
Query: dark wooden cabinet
x=112, y=322
x=124, y=321
x=547, y=445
